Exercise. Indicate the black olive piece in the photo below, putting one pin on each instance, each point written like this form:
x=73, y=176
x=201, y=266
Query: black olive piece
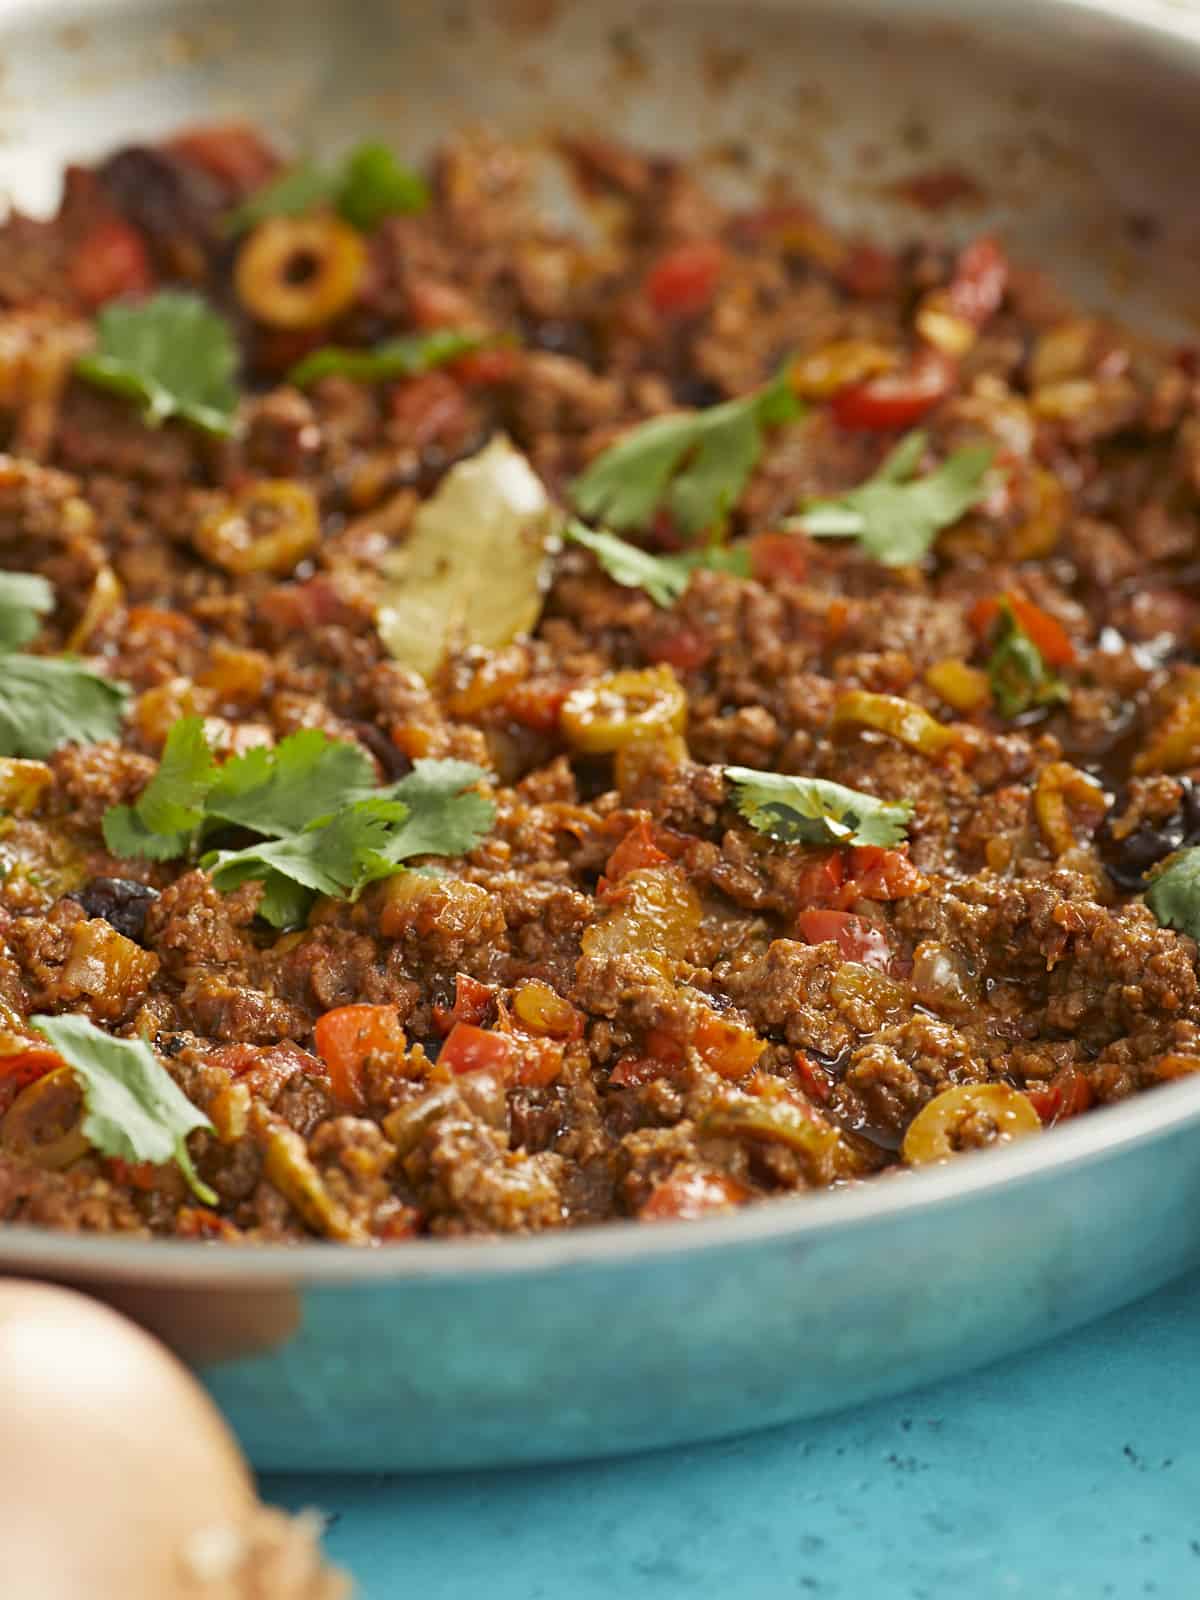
x=121, y=902
x=559, y=337
x=394, y=762
x=178, y=207
x=1128, y=861
x=696, y=391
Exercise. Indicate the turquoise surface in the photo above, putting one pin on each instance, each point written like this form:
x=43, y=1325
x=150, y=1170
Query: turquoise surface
x=1071, y=1473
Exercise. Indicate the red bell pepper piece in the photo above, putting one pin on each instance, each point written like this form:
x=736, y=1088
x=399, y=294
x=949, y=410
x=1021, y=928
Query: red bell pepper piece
x=686, y=1195
x=779, y=557
x=1043, y=630
x=635, y=851
x=113, y=261
x=472, y=1049
x=472, y=1003
x=856, y=938
x=895, y=399
x=347, y=1036
x=683, y=281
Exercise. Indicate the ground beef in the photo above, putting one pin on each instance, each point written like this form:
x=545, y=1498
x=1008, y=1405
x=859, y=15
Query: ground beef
x=626, y=1001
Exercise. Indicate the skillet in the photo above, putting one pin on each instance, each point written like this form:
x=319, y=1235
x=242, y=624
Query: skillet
x=1073, y=113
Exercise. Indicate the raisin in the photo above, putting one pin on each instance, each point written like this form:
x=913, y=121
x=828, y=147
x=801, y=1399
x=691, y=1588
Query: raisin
x=121, y=902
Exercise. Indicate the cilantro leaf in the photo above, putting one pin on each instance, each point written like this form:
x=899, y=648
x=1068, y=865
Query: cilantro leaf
x=283, y=791
x=664, y=578
x=446, y=817
x=798, y=810
x=406, y=357
x=336, y=857
x=301, y=188
x=1020, y=678
x=1174, y=892
x=327, y=828
x=135, y=1109
x=694, y=465
x=171, y=807
x=48, y=701
x=368, y=185
x=174, y=354
x=24, y=597
x=374, y=185
x=896, y=516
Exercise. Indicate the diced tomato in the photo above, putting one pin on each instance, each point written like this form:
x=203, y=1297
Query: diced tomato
x=813, y=1079
x=635, y=1072
x=156, y=619
x=539, y=1061
x=879, y=874
x=856, y=938
x=500, y=364
x=234, y=153
x=683, y=281
x=536, y=704
x=430, y=407
x=980, y=279
x=347, y=1036
x=472, y=1049
x=681, y=647
x=820, y=879
x=895, y=399
x=197, y=1222
x=728, y=1047
x=1067, y=1095
x=402, y=1224
x=113, y=261
x=1043, y=630
x=636, y=850
x=433, y=304
x=837, y=619
x=779, y=557
x=868, y=273
x=23, y=1061
x=472, y=1003
x=134, y=1174
x=278, y=350
x=663, y=1048
x=688, y=1194
x=237, y=1059
x=302, y=606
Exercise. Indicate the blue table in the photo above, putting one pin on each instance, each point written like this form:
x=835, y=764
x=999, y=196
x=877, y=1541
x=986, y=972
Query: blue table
x=1071, y=1473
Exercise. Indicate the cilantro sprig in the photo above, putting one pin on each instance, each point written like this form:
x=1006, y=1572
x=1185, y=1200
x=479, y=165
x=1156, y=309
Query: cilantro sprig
x=325, y=827
x=134, y=1108
x=1174, y=892
x=896, y=516
x=173, y=354
x=47, y=701
x=798, y=810
x=692, y=465
x=1020, y=678
x=368, y=185
x=664, y=578
x=406, y=357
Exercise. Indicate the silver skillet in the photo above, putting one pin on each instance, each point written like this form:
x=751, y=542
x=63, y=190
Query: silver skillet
x=1076, y=116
